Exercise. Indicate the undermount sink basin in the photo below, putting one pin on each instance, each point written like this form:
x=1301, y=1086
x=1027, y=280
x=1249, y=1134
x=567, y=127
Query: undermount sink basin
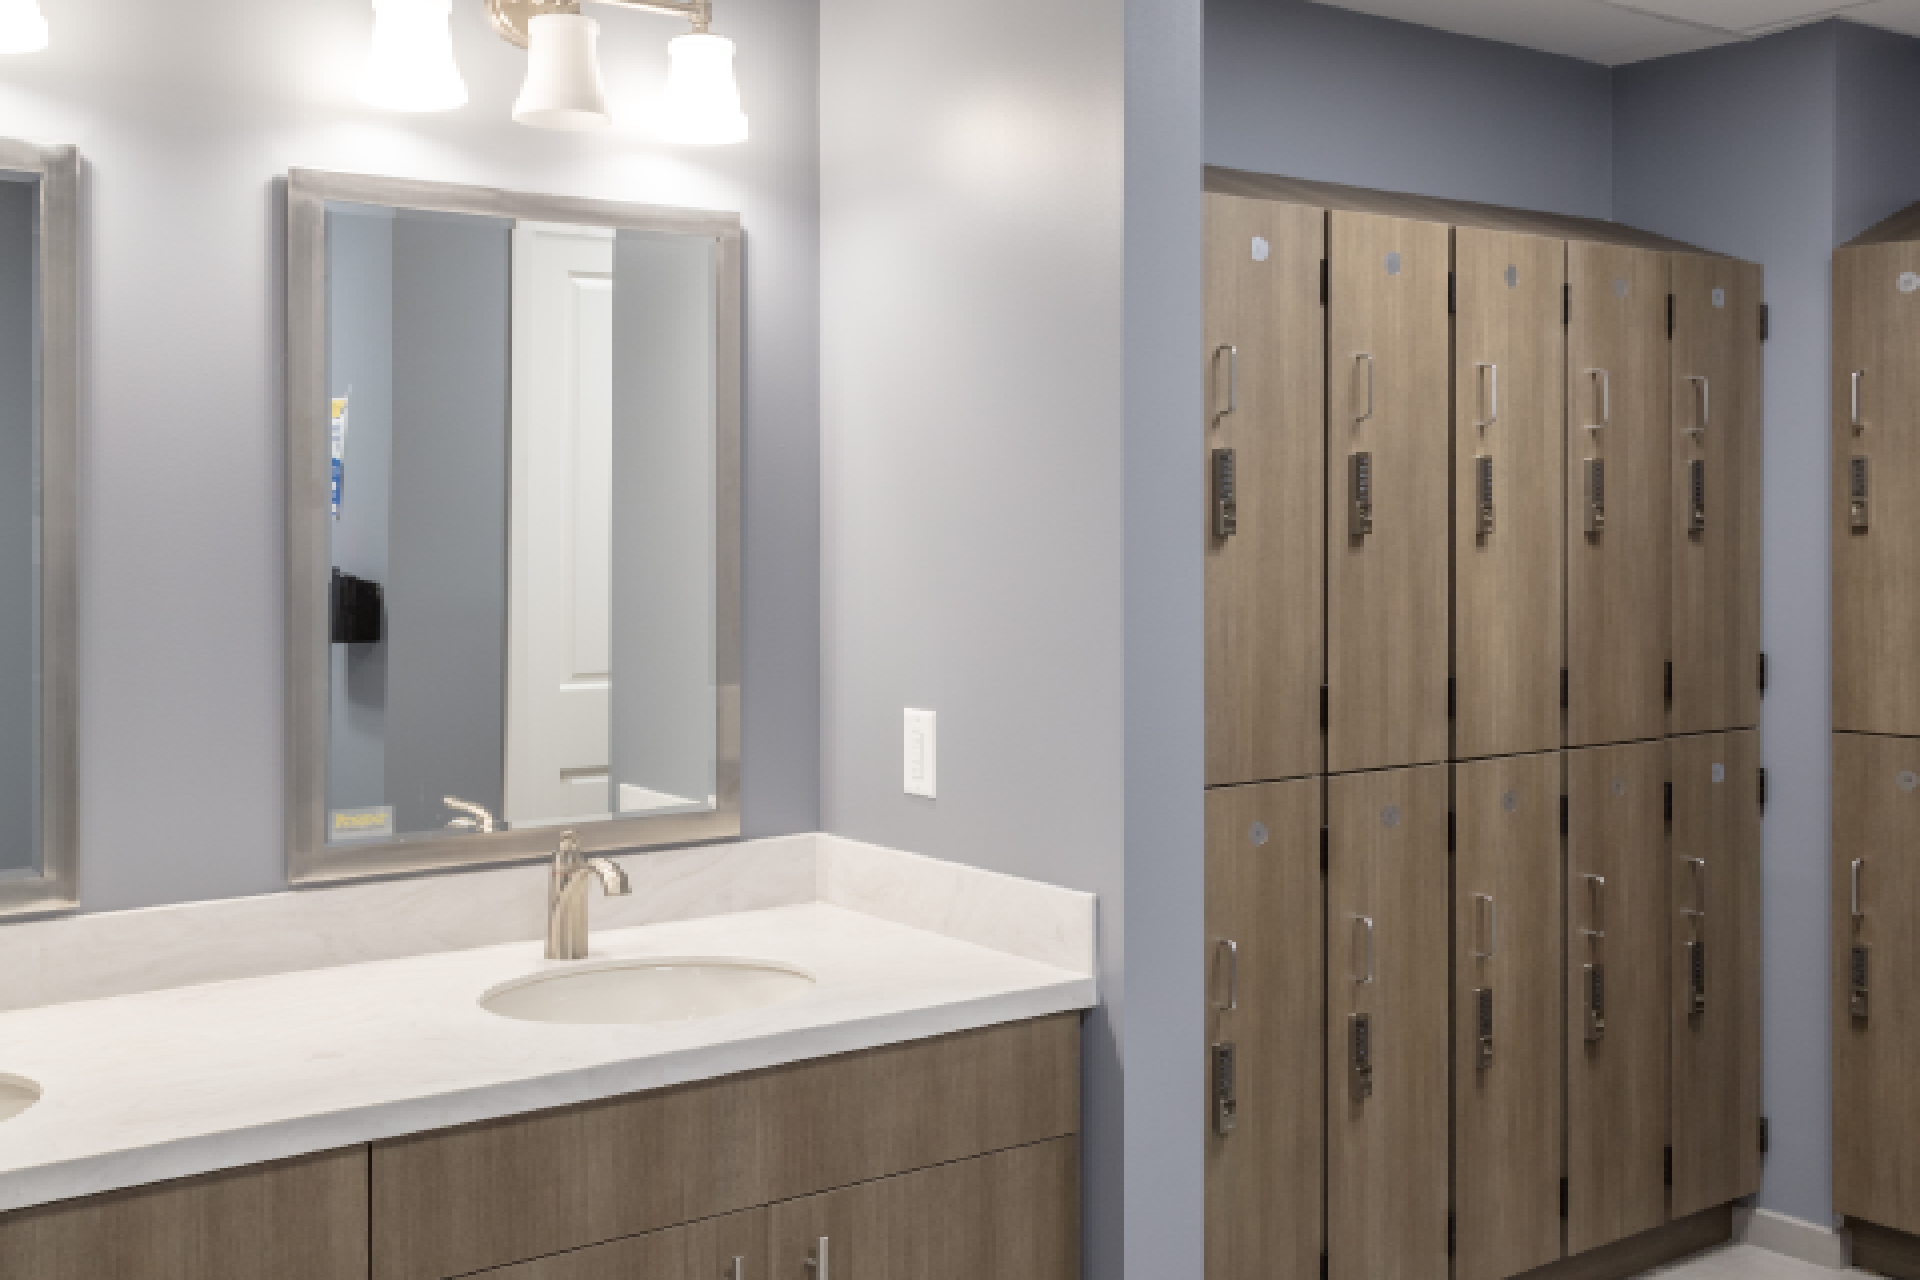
x=646, y=991
x=16, y=1095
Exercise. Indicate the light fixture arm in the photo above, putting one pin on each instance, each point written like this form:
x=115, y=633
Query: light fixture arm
x=510, y=17
x=698, y=12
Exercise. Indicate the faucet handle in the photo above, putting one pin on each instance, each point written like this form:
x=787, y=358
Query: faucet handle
x=569, y=850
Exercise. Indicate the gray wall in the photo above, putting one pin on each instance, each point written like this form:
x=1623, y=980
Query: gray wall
x=19, y=493
x=1317, y=92
x=185, y=115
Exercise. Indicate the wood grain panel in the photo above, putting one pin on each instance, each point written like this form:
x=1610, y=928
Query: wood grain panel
x=1717, y=422
x=1387, y=1153
x=1876, y=608
x=1264, y=893
x=303, y=1219
x=1876, y=1060
x=1617, y=1087
x=1882, y=1252
x=1716, y=1052
x=1637, y=1256
x=1013, y=1215
x=1507, y=1119
x=509, y=1190
x=701, y=1251
x=1387, y=590
x=1509, y=406
x=1266, y=400
x=1617, y=579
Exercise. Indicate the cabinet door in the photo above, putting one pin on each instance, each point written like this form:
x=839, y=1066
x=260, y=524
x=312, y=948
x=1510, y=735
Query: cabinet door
x=1616, y=920
x=1509, y=432
x=1387, y=986
x=1013, y=1215
x=1264, y=993
x=1876, y=1044
x=1714, y=504
x=1876, y=610
x=730, y=1248
x=1617, y=417
x=1506, y=964
x=1386, y=492
x=1266, y=403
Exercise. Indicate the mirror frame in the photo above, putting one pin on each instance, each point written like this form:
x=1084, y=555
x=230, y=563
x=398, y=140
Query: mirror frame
x=57, y=887
x=310, y=859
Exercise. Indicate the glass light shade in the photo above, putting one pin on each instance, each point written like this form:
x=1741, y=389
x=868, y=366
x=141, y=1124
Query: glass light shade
x=411, y=67
x=563, y=88
x=22, y=29
x=702, y=103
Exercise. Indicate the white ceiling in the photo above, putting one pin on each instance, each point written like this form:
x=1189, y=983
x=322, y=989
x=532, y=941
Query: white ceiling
x=1615, y=32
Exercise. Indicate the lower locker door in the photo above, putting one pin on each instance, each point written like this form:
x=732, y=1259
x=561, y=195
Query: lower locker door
x=1387, y=1025
x=1506, y=1026
x=1715, y=1001
x=1265, y=1109
x=1617, y=991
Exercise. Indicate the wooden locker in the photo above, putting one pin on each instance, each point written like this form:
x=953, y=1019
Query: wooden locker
x=1264, y=1001
x=1266, y=458
x=1387, y=411
x=1715, y=1003
x=1616, y=919
x=1387, y=998
x=1876, y=542
x=1876, y=1034
x=1714, y=504
x=1506, y=1026
x=1617, y=419
x=1509, y=414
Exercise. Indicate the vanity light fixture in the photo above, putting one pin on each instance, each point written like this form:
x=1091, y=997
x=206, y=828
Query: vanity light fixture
x=411, y=66
x=22, y=28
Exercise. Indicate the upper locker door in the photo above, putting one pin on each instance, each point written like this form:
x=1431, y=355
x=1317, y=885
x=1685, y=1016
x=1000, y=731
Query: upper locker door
x=1876, y=980
x=1876, y=447
x=1386, y=1035
x=1715, y=1004
x=1266, y=448
x=1509, y=407
x=1506, y=1026
x=1264, y=1001
x=1714, y=505
x=1387, y=492
x=1617, y=460
x=1616, y=973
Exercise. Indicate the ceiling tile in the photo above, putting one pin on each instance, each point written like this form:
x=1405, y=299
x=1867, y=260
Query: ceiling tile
x=1745, y=16
x=1586, y=29
x=1895, y=15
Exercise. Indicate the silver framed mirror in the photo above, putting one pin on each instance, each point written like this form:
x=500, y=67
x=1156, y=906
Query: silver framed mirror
x=513, y=525
x=39, y=524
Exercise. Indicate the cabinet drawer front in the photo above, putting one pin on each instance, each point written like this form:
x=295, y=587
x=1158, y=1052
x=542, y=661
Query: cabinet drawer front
x=463, y=1200
x=709, y=1250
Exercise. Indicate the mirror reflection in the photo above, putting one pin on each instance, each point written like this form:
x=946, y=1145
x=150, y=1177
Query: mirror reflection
x=522, y=526
x=20, y=844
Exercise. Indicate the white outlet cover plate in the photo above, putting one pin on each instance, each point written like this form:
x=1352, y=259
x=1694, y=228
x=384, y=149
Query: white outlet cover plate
x=920, y=755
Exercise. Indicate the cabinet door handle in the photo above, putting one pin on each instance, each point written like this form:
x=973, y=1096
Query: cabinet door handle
x=1232, y=354
x=1857, y=864
x=1699, y=866
x=1601, y=383
x=1493, y=931
x=818, y=1262
x=1233, y=974
x=1369, y=359
x=1704, y=412
x=737, y=1269
x=1855, y=416
x=1490, y=395
x=1599, y=886
x=1368, y=922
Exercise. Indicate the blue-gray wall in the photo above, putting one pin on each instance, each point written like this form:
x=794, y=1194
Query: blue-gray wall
x=19, y=488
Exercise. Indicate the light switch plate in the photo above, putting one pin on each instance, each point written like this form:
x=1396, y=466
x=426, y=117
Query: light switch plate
x=920, y=753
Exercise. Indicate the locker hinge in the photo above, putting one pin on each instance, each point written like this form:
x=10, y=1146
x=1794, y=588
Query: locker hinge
x=1453, y=294
x=1453, y=1235
x=1452, y=697
x=1566, y=305
x=1563, y=815
x=1763, y=673
x=1669, y=1169
x=1563, y=1197
x=1323, y=850
x=1563, y=688
x=1669, y=680
x=1669, y=804
x=1323, y=708
x=1763, y=787
x=1766, y=323
x=1669, y=317
x=1765, y=1137
x=1452, y=826
x=1326, y=281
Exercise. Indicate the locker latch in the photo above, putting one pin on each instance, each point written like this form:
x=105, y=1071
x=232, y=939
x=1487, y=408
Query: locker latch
x=1483, y=1026
x=1857, y=981
x=1483, y=493
x=1360, y=1055
x=1696, y=495
x=1593, y=490
x=1226, y=1099
x=1360, y=494
x=1857, y=495
x=1594, y=1000
x=1226, y=504
x=1696, y=977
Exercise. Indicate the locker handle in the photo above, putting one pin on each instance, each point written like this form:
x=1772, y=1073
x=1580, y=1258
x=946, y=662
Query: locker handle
x=1369, y=359
x=737, y=1269
x=1857, y=864
x=1699, y=866
x=1599, y=887
x=1706, y=405
x=1493, y=932
x=818, y=1262
x=1490, y=394
x=1602, y=383
x=1367, y=921
x=1233, y=974
x=1233, y=378
x=1857, y=424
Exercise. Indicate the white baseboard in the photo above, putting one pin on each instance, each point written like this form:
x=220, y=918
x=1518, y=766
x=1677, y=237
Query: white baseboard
x=1794, y=1237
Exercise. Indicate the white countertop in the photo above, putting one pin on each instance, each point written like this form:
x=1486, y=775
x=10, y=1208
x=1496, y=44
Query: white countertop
x=153, y=1085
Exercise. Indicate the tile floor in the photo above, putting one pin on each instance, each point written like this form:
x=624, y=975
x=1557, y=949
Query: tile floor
x=1744, y=1262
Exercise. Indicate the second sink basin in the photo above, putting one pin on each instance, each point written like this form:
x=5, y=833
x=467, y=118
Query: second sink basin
x=646, y=991
x=16, y=1095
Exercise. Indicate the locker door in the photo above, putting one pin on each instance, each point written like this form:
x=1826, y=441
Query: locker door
x=1876, y=611
x=1265, y=966
x=1617, y=1072
x=1617, y=418
x=1387, y=994
x=1715, y=1009
x=1506, y=953
x=1387, y=409
x=1714, y=507
x=1266, y=403
x=1509, y=411
x=1876, y=1044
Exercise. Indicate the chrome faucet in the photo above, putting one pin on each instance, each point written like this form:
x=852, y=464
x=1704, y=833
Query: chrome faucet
x=567, y=897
